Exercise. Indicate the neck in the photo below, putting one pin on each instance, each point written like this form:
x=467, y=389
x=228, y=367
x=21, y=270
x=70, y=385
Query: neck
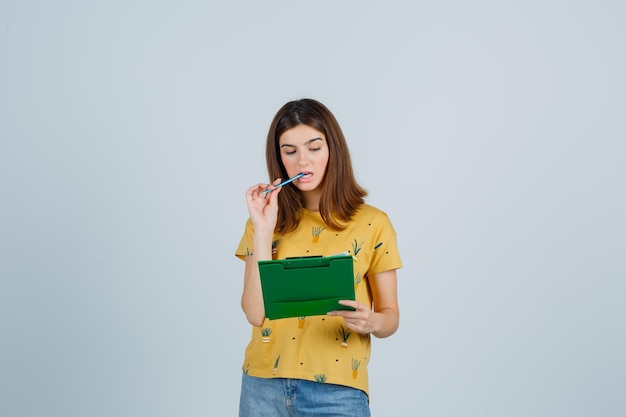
x=311, y=200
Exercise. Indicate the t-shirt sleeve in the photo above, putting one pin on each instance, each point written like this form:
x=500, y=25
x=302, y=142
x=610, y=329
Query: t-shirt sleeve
x=385, y=255
x=245, y=244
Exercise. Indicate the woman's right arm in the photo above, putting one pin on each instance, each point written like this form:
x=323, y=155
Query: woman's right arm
x=252, y=297
x=264, y=213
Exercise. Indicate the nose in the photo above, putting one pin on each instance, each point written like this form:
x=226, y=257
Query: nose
x=304, y=161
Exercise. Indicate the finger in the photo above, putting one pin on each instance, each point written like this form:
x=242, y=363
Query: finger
x=270, y=188
x=255, y=188
x=348, y=315
x=358, y=309
x=351, y=303
x=273, y=194
x=258, y=191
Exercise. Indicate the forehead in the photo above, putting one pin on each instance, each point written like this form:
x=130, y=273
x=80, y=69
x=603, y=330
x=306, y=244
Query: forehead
x=300, y=135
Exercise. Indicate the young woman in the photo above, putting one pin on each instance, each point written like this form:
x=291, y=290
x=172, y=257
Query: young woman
x=314, y=366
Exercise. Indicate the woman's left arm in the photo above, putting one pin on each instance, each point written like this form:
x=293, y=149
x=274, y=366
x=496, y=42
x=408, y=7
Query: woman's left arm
x=384, y=319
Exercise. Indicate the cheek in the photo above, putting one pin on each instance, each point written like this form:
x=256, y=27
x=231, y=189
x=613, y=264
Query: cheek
x=323, y=160
x=289, y=163
x=285, y=160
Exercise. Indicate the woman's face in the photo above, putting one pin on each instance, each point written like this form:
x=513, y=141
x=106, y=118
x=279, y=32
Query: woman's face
x=304, y=149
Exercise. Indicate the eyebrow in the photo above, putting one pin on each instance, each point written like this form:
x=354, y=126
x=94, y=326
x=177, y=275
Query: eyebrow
x=306, y=143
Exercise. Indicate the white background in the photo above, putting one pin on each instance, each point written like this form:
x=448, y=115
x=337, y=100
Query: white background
x=492, y=133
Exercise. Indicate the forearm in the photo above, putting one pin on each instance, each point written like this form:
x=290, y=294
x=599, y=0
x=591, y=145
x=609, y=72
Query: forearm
x=386, y=322
x=252, y=296
x=386, y=310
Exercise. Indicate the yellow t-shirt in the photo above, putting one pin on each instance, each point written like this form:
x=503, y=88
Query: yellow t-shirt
x=322, y=348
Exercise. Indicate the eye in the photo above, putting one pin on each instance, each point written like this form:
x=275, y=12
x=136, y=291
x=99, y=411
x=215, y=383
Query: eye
x=289, y=152
x=314, y=149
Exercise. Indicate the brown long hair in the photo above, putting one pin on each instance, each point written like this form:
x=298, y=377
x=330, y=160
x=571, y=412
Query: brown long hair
x=341, y=194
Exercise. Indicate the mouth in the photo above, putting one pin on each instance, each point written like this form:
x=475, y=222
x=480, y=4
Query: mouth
x=306, y=177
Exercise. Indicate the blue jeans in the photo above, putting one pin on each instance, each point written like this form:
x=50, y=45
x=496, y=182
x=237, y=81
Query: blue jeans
x=284, y=397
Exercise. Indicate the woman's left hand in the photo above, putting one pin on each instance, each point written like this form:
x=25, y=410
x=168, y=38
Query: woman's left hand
x=383, y=320
x=362, y=320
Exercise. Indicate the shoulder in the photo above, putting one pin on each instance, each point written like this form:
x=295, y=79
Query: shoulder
x=369, y=211
x=371, y=216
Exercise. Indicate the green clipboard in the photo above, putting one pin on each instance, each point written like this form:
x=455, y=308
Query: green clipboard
x=307, y=286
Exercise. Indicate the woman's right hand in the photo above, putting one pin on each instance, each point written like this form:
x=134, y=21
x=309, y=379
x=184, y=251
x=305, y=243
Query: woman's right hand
x=262, y=207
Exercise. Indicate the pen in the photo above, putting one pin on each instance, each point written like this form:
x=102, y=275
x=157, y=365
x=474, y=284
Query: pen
x=302, y=174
